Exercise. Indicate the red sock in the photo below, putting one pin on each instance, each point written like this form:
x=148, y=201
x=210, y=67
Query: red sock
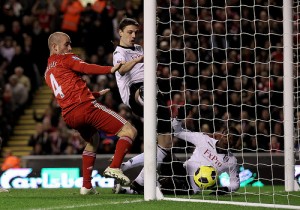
x=88, y=160
x=122, y=147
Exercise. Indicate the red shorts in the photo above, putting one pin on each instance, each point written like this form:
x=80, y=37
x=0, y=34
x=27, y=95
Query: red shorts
x=92, y=116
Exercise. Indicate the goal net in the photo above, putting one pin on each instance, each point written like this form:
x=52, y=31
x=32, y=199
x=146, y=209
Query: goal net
x=225, y=60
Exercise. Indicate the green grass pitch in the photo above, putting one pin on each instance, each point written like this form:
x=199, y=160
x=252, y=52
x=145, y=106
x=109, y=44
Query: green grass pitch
x=48, y=199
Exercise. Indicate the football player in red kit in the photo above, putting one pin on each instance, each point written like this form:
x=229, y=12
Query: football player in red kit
x=81, y=111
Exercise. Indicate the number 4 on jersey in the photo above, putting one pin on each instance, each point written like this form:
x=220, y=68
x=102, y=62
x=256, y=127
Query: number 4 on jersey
x=56, y=88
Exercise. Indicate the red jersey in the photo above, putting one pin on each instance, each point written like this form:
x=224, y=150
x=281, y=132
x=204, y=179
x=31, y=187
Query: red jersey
x=63, y=76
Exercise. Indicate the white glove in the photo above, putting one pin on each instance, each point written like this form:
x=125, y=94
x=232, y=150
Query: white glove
x=176, y=125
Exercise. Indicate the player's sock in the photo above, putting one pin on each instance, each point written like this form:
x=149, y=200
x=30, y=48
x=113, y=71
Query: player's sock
x=88, y=160
x=133, y=162
x=127, y=190
x=139, y=159
x=140, y=178
x=161, y=154
x=122, y=147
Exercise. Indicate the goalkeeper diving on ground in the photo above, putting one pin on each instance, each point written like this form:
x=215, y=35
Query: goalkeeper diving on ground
x=210, y=150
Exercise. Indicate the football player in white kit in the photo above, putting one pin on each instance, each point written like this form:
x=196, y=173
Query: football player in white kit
x=130, y=79
x=212, y=150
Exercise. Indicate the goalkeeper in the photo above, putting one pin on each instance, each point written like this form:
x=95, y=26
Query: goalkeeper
x=209, y=150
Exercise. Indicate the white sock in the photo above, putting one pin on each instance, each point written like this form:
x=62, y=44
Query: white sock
x=160, y=155
x=140, y=178
x=133, y=162
x=129, y=191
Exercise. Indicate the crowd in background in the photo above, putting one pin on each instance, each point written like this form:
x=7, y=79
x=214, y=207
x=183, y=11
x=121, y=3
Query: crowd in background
x=25, y=26
x=225, y=62
x=225, y=59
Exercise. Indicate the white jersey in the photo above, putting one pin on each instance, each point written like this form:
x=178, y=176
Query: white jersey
x=205, y=153
x=135, y=75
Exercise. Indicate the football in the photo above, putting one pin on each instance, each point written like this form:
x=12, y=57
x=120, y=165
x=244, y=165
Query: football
x=205, y=177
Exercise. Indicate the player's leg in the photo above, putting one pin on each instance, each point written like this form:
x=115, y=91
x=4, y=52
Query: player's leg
x=88, y=159
x=136, y=104
x=163, y=149
x=119, y=189
x=164, y=140
x=127, y=135
x=173, y=177
x=111, y=123
x=77, y=120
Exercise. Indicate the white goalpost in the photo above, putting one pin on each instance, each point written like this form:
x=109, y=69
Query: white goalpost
x=235, y=63
x=149, y=100
x=288, y=96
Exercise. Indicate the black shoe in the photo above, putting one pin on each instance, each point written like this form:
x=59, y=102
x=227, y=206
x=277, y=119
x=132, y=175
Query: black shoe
x=137, y=187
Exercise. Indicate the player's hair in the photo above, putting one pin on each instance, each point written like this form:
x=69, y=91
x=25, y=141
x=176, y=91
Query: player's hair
x=54, y=38
x=126, y=22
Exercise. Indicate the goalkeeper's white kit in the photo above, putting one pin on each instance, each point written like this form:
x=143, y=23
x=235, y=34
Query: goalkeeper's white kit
x=135, y=75
x=205, y=153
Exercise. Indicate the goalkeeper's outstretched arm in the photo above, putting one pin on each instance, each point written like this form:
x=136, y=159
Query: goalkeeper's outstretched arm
x=192, y=137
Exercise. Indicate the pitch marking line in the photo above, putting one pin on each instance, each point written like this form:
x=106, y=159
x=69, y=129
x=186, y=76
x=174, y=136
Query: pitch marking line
x=89, y=205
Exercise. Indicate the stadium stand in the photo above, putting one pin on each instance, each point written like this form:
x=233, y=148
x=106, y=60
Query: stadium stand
x=24, y=30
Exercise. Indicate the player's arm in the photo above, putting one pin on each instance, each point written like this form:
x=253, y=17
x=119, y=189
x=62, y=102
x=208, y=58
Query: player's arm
x=234, y=178
x=234, y=182
x=192, y=137
x=100, y=93
x=76, y=64
x=186, y=135
x=126, y=67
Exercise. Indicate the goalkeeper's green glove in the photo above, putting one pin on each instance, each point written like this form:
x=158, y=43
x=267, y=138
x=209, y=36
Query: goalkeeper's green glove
x=219, y=191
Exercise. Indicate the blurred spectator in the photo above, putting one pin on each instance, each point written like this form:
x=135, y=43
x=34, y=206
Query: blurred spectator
x=263, y=136
x=131, y=9
x=37, y=149
x=13, y=8
x=218, y=42
x=274, y=144
x=16, y=33
x=175, y=103
x=76, y=143
x=99, y=6
x=215, y=65
x=120, y=14
x=24, y=60
x=19, y=72
x=71, y=10
x=3, y=32
x=19, y=94
x=51, y=114
x=10, y=161
x=44, y=10
x=40, y=141
x=107, y=146
x=124, y=111
x=7, y=49
x=59, y=141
